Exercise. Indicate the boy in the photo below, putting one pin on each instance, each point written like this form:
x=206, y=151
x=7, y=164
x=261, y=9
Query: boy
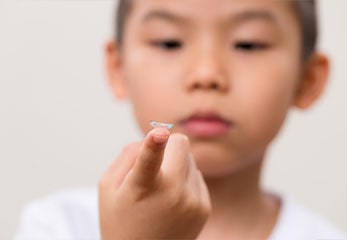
x=225, y=73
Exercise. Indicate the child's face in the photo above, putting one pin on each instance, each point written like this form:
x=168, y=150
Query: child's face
x=224, y=72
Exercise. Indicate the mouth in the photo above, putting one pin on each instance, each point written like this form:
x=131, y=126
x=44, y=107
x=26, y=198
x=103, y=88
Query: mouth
x=206, y=125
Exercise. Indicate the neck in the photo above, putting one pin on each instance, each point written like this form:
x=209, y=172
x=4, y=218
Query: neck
x=239, y=188
x=240, y=206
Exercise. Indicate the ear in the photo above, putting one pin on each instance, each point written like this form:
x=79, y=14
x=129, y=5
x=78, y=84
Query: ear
x=313, y=81
x=114, y=70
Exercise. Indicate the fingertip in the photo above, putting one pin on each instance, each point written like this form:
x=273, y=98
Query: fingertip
x=181, y=139
x=160, y=135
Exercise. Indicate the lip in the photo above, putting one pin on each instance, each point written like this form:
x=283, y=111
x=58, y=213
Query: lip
x=206, y=125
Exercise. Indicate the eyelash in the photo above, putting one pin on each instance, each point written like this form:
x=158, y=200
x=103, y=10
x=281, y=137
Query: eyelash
x=169, y=45
x=245, y=46
x=248, y=46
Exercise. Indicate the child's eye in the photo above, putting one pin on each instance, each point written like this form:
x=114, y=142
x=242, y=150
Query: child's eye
x=250, y=46
x=168, y=44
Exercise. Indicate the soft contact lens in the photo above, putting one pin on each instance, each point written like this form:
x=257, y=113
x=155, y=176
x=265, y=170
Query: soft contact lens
x=159, y=124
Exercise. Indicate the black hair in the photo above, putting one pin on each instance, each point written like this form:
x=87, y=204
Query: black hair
x=305, y=10
x=122, y=12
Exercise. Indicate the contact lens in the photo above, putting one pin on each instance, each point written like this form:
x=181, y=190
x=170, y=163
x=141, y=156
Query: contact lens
x=159, y=124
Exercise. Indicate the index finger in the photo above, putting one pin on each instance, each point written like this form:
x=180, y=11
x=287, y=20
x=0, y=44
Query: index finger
x=149, y=160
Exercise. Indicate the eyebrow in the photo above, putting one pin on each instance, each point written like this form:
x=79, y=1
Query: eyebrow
x=165, y=15
x=253, y=15
x=237, y=18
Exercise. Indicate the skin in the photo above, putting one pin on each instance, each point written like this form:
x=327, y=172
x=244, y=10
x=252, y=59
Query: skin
x=240, y=59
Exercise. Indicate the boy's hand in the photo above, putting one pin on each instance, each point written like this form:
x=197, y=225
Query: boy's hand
x=153, y=191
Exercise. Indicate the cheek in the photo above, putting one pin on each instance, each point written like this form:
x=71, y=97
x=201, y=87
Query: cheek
x=266, y=99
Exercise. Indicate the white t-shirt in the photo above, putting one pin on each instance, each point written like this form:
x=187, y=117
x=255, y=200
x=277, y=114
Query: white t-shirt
x=73, y=215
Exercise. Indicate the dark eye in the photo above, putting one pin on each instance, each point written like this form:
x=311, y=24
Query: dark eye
x=168, y=44
x=250, y=46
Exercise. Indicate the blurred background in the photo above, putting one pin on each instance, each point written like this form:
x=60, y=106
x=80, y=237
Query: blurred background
x=60, y=126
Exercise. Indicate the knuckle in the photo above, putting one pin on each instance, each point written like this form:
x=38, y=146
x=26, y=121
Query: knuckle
x=183, y=201
x=175, y=198
x=103, y=182
x=190, y=205
x=205, y=210
x=140, y=191
x=196, y=205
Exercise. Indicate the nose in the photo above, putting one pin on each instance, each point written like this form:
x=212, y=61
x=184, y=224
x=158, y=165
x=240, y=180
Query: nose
x=207, y=72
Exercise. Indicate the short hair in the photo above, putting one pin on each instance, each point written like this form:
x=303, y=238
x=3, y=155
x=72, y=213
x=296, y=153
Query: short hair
x=305, y=11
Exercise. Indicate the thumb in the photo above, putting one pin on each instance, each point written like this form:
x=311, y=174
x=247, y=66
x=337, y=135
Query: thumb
x=150, y=157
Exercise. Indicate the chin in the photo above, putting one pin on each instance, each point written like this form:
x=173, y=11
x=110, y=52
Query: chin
x=215, y=163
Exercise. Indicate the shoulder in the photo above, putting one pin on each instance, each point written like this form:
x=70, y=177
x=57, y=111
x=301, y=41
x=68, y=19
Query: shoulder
x=65, y=214
x=65, y=203
x=297, y=222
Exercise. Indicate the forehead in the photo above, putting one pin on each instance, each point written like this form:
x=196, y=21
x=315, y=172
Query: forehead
x=207, y=10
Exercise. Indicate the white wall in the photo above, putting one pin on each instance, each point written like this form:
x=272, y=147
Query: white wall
x=60, y=127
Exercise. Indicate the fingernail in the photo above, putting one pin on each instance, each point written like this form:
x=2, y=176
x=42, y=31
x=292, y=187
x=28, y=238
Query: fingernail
x=160, y=135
